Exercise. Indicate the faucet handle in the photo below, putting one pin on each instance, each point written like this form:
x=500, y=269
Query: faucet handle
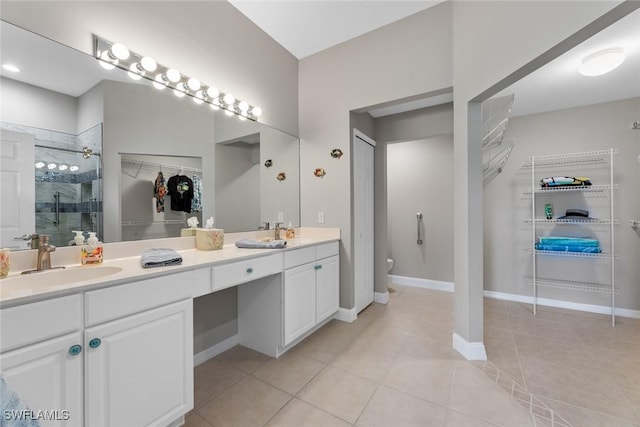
x=43, y=239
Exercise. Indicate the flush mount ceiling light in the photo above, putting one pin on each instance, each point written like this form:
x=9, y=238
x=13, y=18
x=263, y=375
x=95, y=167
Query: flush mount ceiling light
x=11, y=67
x=602, y=62
x=111, y=55
x=73, y=168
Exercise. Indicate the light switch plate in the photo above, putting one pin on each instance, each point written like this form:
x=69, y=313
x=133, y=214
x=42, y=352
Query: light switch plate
x=321, y=217
x=280, y=217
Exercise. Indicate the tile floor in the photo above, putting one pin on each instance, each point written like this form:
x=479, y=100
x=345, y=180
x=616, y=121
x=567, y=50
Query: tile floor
x=574, y=362
x=394, y=366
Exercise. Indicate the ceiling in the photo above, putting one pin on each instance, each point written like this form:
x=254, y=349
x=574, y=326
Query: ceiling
x=302, y=27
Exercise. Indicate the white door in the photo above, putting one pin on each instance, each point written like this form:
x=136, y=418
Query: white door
x=139, y=369
x=327, y=287
x=48, y=377
x=299, y=301
x=363, y=147
x=17, y=188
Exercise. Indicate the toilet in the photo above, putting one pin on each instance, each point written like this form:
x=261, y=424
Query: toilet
x=389, y=264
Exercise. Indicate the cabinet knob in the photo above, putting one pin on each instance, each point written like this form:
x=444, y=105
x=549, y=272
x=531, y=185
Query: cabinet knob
x=318, y=267
x=74, y=350
x=249, y=270
x=95, y=343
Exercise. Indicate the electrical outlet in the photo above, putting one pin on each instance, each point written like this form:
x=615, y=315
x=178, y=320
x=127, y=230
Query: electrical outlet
x=280, y=217
x=321, y=217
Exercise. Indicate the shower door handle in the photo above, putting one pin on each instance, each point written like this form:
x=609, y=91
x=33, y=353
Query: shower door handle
x=419, y=220
x=56, y=221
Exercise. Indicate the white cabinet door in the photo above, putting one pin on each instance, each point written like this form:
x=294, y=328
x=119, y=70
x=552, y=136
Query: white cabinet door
x=327, y=287
x=299, y=301
x=139, y=369
x=48, y=378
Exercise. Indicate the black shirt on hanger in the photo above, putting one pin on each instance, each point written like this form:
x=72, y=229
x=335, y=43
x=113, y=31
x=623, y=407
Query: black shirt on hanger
x=180, y=188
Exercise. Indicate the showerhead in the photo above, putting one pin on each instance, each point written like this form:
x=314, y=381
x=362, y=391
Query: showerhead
x=86, y=152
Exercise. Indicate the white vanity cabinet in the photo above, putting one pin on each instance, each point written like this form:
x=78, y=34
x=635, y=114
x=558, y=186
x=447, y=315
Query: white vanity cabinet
x=42, y=355
x=311, y=288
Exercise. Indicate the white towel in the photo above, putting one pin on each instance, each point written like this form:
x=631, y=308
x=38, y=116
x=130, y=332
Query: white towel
x=160, y=257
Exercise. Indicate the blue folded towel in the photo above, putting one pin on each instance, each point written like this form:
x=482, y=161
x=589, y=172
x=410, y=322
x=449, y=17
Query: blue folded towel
x=568, y=241
x=255, y=244
x=14, y=408
x=569, y=248
x=160, y=257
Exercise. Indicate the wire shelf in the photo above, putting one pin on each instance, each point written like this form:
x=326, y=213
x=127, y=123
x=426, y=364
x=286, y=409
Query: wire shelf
x=569, y=159
x=573, y=189
x=602, y=256
x=602, y=288
x=592, y=221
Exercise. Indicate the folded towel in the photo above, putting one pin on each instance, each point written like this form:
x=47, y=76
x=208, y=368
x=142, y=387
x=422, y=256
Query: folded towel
x=568, y=241
x=568, y=248
x=160, y=257
x=255, y=244
x=14, y=411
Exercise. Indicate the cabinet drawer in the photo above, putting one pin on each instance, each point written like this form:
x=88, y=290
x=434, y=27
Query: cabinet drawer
x=228, y=275
x=119, y=301
x=326, y=250
x=30, y=323
x=296, y=257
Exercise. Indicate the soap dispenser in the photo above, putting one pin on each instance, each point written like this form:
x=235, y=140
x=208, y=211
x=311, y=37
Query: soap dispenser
x=91, y=253
x=79, y=239
x=291, y=233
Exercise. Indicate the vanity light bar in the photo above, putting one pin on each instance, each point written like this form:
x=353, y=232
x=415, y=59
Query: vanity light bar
x=112, y=55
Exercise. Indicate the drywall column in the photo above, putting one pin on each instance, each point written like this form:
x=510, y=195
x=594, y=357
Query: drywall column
x=468, y=259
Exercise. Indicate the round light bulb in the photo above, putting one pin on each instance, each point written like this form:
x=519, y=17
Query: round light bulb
x=120, y=51
x=256, y=111
x=178, y=93
x=51, y=166
x=159, y=82
x=63, y=167
x=213, y=92
x=199, y=98
x=133, y=72
x=193, y=84
x=602, y=62
x=243, y=106
x=173, y=75
x=229, y=99
x=73, y=168
x=106, y=62
x=149, y=64
x=39, y=165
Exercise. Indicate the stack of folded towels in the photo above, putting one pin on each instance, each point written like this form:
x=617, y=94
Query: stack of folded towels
x=160, y=257
x=568, y=244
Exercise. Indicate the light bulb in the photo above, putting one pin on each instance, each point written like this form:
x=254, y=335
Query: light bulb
x=51, y=166
x=73, y=168
x=228, y=113
x=11, y=67
x=39, y=165
x=193, y=84
x=602, y=62
x=215, y=105
x=243, y=106
x=120, y=51
x=229, y=99
x=173, y=75
x=148, y=64
x=212, y=92
x=256, y=111
x=242, y=118
x=133, y=72
x=107, y=62
x=159, y=82
x=63, y=167
x=178, y=93
x=199, y=98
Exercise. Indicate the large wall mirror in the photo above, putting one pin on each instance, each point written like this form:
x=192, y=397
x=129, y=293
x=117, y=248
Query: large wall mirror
x=118, y=134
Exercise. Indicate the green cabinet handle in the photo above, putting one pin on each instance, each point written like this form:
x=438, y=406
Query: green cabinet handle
x=74, y=350
x=95, y=343
x=249, y=270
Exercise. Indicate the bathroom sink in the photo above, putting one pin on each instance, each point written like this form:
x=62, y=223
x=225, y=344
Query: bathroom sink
x=55, y=277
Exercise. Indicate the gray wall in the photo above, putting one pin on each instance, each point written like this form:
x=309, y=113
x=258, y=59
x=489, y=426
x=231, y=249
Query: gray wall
x=594, y=127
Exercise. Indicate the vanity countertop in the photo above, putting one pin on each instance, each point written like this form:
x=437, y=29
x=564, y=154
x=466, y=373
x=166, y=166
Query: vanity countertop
x=19, y=289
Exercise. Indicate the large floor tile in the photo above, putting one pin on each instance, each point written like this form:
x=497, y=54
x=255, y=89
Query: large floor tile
x=300, y=414
x=474, y=394
x=365, y=361
x=195, y=420
x=339, y=392
x=583, y=417
x=389, y=407
x=456, y=419
x=324, y=345
x=211, y=378
x=557, y=352
x=427, y=379
x=425, y=349
x=290, y=372
x=248, y=403
x=243, y=358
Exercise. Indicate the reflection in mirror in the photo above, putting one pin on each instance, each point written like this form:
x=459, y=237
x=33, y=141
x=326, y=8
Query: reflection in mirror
x=136, y=118
x=151, y=205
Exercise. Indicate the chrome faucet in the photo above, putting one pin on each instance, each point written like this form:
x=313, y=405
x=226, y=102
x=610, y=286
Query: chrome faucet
x=277, y=227
x=44, y=252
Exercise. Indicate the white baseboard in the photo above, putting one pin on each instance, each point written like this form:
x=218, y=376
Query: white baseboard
x=590, y=308
x=381, y=297
x=469, y=350
x=422, y=283
x=346, y=314
x=216, y=349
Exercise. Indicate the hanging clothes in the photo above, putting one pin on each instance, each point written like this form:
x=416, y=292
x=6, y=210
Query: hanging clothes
x=180, y=188
x=196, y=203
x=159, y=191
